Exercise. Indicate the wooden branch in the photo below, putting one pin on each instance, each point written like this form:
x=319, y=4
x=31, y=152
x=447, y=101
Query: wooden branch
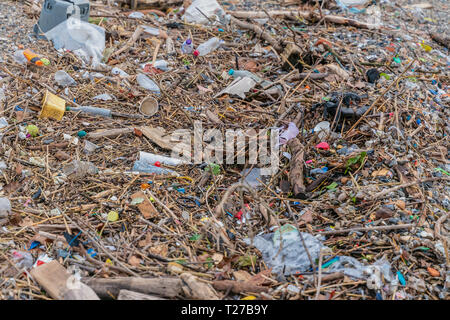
x=197, y=289
x=405, y=185
x=131, y=295
x=59, y=284
x=260, y=33
x=365, y=229
x=165, y=287
x=109, y=133
x=308, y=15
x=296, y=173
x=441, y=39
x=238, y=286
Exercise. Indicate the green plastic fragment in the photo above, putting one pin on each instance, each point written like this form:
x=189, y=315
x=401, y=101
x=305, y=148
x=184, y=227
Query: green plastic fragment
x=397, y=60
x=442, y=170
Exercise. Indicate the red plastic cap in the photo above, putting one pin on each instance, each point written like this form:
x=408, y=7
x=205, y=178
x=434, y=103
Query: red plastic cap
x=157, y=164
x=196, y=53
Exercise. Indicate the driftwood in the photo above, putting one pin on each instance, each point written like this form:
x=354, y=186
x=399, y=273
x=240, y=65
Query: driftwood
x=160, y=4
x=308, y=15
x=59, y=283
x=109, y=133
x=296, y=174
x=238, y=286
x=131, y=295
x=261, y=33
x=196, y=289
x=109, y=288
x=441, y=39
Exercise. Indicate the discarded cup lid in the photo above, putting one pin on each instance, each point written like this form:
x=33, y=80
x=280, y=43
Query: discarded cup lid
x=149, y=106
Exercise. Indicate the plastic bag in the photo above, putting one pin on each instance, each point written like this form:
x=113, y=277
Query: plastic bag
x=85, y=39
x=64, y=79
x=289, y=133
x=78, y=169
x=146, y=83
x=292, y=257
x=239, y=87
x=210, y=8
x=5, y=207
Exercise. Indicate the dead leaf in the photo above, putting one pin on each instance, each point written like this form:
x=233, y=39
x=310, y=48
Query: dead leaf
x=12, y=186
x=134, y=261
x=335, y=69
x=307, y=216
x=161, y=250
x=61, y=155
x=400, y=204
x=19, y=168
x=433, y=272
x=259, y=279
x=242, y=275
x=26, y=222
x=147, y=209
x=203, y=90
x=384, y=213
x=381, y=173
x=20, y=115
x=211, y=116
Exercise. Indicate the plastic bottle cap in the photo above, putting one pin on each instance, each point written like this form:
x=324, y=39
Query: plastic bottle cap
x=188, y=41
x=231, y=72
x=82, y=133
x=196, y=53
x=157, y=164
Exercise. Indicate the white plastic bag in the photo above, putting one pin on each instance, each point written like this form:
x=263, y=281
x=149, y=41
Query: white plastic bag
x=85, y=39
x=210, y=8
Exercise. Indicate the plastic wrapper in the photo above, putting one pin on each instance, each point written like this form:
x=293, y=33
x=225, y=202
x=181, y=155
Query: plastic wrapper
x=239, y=87
x=78, y=169
x=64, y=79
x=146, y=83
x=292, y=258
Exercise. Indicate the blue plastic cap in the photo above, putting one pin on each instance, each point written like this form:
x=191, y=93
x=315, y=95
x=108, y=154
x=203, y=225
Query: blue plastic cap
x=231, y=72
x=188, y=41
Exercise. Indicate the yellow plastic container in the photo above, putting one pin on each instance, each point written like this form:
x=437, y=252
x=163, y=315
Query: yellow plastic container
x=52, y=106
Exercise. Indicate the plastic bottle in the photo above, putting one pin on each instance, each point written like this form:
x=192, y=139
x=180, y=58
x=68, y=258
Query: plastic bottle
x=147, y=83
x=93, y=110
x=34, y=58
x=187, y=46
x=245, y=73
x=5, y=207
x=208, y=46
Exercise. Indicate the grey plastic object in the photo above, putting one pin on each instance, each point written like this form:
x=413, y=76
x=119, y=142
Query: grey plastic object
x=93, y=110
x=56, y=11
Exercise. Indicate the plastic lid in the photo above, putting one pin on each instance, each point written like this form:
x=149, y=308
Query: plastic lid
x=231, y=72
x=196, y=53
x=188, y=41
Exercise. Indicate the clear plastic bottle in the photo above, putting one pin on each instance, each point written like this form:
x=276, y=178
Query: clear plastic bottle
x=245, y=73
x=208, y=46
x=187, y=46
x=93, y=110
x=147, y=83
